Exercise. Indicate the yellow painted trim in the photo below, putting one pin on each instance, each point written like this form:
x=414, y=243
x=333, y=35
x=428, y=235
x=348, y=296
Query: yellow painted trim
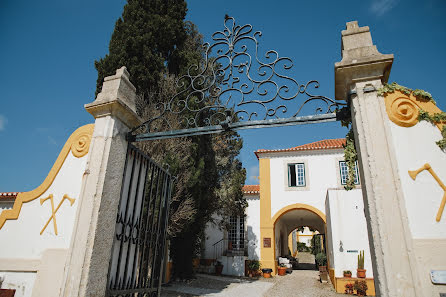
x=79, y=144
x=295, y=206
x=413, y=174
x=340, y=282
x=403, y=110
x=267, y=255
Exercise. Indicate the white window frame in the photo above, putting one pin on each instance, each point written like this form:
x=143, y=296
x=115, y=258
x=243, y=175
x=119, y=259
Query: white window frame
x=340, y=164
x=286, y=180
x=299, y=173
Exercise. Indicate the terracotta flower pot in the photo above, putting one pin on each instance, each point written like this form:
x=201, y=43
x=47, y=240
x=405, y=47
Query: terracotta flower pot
x=267, y=272
x=349, y=275
x=281, y=270
x=360, y=273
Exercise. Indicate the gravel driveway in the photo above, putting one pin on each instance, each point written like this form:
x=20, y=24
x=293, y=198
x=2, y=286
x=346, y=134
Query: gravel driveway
x=301, y=283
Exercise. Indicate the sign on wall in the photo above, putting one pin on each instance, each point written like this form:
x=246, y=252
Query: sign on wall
x=267, y=242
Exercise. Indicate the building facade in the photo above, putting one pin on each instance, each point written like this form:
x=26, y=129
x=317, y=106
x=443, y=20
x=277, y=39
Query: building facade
x=299, y=187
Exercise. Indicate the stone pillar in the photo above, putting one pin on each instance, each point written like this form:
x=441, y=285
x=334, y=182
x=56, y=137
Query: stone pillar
x=90, y=251
x=357, y=77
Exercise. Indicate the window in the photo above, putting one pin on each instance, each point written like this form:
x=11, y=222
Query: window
x=236, y=232
x=296, y=175
x=344, y=173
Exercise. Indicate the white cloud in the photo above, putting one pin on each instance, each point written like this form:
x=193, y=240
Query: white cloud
x=253, y=175
x=46, y=132
x=3, y=121
x=380, y=7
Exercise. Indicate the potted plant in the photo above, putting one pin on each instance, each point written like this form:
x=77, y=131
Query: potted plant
x=360, y=273
x=218, y=268
x=281, y=269
x=347, y=273
x=267, y=272
x=360, y=287
x=321, y=261
x=349, y=289
x=253, y=267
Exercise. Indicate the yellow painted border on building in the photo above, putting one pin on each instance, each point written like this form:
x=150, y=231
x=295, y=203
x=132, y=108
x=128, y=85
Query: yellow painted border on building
x=79, y=144
x=295, y=206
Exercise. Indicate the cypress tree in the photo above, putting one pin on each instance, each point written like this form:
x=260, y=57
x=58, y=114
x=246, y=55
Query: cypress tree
x=157, y=46
x=145, y=40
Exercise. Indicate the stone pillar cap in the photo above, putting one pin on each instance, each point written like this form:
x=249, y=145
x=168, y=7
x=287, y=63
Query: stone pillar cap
x=117, y=98
x=361, y=60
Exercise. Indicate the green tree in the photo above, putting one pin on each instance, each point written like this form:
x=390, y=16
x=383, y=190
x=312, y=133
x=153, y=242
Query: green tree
x=147, y=38
x=157, y=46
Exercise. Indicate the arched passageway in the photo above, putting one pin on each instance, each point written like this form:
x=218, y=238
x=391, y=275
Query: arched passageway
x=291, y=218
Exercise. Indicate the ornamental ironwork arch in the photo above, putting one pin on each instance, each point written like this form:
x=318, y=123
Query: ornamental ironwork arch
x=235, y=88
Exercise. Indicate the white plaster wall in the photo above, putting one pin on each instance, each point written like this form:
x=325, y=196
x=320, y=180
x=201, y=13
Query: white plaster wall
x=253, y=226
x=213, y=234
x=23, y=235
x=25, y=245
x=321, y=174
x=22, y=282
x=347, y=223
x=234, y=265
x=415, y=146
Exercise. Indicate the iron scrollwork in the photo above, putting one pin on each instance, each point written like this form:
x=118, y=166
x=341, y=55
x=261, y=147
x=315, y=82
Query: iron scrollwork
x=232, y=85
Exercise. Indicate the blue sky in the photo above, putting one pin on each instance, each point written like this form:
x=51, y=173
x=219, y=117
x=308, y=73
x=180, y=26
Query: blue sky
x=48, y=50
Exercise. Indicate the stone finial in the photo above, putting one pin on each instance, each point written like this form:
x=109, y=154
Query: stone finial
x=118, y=98
x=360, y=60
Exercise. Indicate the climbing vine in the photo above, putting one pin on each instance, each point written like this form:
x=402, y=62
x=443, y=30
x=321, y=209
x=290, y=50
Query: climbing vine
x=423, y=115
x=433, y=119
x=390, y=88
x=350, y=155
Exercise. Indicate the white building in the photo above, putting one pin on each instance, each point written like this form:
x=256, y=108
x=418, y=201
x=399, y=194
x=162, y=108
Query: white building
x=301, y=186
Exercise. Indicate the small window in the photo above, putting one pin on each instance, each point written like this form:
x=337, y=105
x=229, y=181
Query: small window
x=344, y=173
x=296, y=175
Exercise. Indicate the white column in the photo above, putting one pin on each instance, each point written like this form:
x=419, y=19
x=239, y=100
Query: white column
x=357, y=77
x=88, y=261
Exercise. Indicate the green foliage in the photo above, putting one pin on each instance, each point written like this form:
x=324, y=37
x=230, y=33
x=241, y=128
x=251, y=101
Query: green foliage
x=390, y=88
x=253, y=265
x=321, y=259
x=316, y=245
x=157, y=45
x=361, y=260
x=350, y=157
x=347, y=272
x=434, y=119
x=302, y=247
x=150, y=35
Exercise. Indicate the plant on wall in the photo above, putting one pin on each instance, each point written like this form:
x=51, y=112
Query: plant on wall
x=423, y=115
x=350, y=155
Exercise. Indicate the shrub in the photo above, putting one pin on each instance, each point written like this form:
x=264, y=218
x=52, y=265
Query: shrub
x=321, y=259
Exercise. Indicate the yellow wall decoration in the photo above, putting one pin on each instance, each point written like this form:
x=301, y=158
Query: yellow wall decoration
x=78, y=143
x=403, y=109
x=54, y=211
x=413, y=174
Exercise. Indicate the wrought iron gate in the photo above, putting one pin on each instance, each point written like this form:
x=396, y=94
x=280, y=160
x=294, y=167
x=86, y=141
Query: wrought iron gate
x=137, y=261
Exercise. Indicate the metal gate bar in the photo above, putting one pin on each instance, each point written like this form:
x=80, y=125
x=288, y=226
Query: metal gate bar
x=141, y=224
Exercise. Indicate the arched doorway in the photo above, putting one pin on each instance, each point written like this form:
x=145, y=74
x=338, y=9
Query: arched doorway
x=283, y=223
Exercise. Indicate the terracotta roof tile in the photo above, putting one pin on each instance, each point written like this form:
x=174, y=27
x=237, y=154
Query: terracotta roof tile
x=251, y=189
x=8, y=195
x=325, y=144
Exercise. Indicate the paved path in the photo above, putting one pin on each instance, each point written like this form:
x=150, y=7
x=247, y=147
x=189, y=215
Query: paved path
x=218, y=286
x=301, y=283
